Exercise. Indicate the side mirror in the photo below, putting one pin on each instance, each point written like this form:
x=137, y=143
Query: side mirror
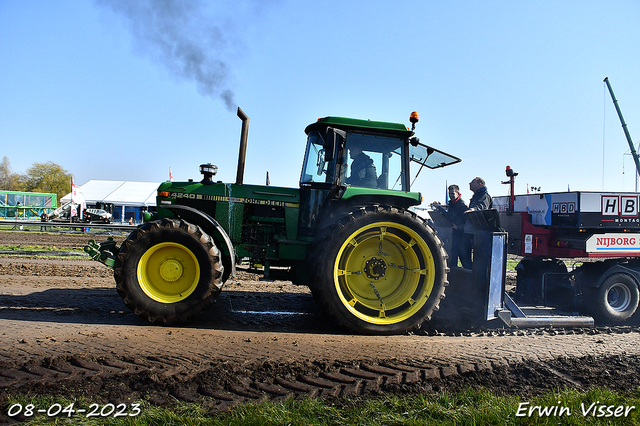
x=331, y=142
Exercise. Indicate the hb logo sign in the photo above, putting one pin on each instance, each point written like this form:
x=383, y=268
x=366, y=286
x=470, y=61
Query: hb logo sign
x=624, y=205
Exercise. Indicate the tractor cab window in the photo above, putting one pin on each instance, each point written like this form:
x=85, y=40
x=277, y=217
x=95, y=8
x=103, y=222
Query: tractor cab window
x=373, y=161
x=368, y=161
x=316, y=168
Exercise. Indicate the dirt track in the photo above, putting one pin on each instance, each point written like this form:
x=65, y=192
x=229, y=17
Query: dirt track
x=64, y=330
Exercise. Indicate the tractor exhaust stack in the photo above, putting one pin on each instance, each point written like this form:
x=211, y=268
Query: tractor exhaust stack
x=243, y=145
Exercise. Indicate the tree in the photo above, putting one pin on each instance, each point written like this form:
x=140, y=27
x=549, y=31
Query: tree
x=47, y=177
x=8, y=179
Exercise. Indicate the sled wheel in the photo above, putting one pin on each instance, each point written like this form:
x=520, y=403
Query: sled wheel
x=383, y=271
x=167, y=271
x=617, y=298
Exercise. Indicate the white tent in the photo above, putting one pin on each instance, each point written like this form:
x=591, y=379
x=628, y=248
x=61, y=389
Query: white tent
x=117, y=192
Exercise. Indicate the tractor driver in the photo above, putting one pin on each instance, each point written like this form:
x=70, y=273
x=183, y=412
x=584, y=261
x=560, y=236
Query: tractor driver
x=363, y=171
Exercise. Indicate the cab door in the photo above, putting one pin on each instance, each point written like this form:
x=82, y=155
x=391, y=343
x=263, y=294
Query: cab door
x=320, y=176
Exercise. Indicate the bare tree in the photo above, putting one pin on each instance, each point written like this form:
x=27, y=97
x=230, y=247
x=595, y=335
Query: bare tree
x=8, y=179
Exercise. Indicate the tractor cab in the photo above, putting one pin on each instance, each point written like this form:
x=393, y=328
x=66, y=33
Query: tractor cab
x=360, y=161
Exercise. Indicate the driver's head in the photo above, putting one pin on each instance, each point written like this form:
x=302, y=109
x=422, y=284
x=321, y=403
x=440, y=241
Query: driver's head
x=354, y=151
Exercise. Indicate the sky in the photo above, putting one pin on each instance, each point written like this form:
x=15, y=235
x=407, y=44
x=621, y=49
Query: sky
x=124, y=90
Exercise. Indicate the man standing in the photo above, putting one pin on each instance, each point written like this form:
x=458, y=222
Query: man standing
x=455, y=214
x=481, y=199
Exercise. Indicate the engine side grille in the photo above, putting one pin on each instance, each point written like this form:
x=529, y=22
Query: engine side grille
x=209, y=207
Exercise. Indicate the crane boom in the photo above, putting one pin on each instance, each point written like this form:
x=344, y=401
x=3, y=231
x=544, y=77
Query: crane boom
x=624, y=127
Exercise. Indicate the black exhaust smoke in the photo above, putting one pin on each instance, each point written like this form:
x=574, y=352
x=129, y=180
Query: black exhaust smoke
x=177, y=34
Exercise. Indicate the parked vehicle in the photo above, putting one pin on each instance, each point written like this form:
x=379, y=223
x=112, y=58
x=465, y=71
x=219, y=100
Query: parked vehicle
x=96, y=215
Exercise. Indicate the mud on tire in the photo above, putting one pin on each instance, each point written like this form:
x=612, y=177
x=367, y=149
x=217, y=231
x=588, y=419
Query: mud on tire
x=168, y=270
x=380, y=270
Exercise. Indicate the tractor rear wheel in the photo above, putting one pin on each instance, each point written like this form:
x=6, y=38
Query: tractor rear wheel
x=381, y=270
x=168, y=270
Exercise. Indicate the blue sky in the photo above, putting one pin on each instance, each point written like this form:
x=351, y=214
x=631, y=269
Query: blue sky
x=86, y=84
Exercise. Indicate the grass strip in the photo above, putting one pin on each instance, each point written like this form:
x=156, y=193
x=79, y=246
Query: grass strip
x=468, y=407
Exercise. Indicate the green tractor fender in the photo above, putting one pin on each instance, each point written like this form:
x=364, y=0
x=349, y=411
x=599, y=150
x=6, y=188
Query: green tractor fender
x=204, y=220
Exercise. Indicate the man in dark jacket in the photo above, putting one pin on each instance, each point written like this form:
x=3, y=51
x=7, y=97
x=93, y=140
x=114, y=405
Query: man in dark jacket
x=481, y=199
x=455, y=214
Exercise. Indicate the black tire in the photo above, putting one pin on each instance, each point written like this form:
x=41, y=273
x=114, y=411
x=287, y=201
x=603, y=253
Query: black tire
x=168, y=270
x=380, y=270
x=617, y=299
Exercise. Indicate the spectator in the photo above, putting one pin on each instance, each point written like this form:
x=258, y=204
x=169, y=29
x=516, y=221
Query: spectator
x=481, y=199
x=455, y=214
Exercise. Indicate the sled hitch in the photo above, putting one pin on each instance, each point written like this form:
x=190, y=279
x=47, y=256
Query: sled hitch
x=478, y=296
x=513, y=316
x=104, y=252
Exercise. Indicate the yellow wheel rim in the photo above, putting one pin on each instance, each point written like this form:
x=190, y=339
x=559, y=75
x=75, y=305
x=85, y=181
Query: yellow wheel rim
x=168, y=272
x=384, y=273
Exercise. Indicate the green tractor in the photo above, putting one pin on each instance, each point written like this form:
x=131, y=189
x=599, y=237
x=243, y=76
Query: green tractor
x=348, y=233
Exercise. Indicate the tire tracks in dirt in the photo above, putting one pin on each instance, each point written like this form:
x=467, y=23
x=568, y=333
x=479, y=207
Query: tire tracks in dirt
x=220, y=385
x=66, y=332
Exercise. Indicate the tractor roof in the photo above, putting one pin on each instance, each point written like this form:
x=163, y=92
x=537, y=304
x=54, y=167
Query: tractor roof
x=356, y=124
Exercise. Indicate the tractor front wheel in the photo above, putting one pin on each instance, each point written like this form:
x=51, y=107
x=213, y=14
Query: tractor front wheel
x=168, y=270
x=380, y=271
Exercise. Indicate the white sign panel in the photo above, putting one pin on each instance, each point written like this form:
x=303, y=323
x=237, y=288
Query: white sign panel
x=614, y=243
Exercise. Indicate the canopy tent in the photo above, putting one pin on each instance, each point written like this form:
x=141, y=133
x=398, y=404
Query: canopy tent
x=128, y=199
x=117, y=192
